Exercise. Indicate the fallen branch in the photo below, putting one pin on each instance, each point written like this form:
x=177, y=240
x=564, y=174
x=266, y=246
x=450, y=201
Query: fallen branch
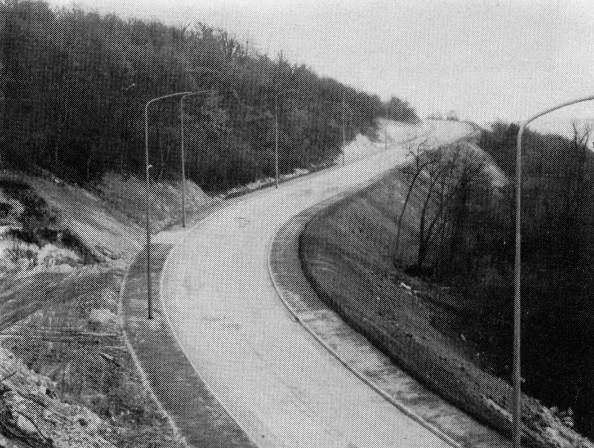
x=109, y=358
x=46, y=439
x=8, y=376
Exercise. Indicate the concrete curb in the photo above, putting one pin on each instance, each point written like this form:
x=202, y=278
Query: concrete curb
x=170, y=324
x=209, y=210
x=301, y=300
x=130, y=337
x=296, y=226
x=198, y=419
x=137, y=363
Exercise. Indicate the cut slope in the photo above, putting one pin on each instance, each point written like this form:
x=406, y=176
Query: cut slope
x=347, y=255
x=59, y=299
x=389, y=133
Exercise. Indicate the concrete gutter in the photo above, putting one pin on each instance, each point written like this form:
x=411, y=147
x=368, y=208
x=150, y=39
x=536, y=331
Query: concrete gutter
x=196, y=416
x=356, y=353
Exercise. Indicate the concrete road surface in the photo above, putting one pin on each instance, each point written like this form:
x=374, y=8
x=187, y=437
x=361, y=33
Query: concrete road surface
x=281, y=386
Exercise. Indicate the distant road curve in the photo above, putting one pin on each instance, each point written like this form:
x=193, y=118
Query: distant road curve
x=281, y=386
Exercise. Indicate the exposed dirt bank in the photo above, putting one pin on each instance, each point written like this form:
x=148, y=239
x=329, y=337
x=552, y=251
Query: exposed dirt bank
x=63, y=254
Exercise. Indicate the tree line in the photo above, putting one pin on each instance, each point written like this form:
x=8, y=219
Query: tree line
x=466, y=235
x=74, y=85
x=558, y=249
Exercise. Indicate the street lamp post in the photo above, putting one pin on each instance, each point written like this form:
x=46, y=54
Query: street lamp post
x=183, y=152
x=148, y=203
x=276, y=127
x=343, y=128
x=386, y=130
x=276, y=136
x=200, y=70
x=517, y=399
x=124, y=156
x=276, y=142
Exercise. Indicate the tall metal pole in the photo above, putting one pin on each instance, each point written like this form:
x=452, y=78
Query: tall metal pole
x=148, y=214
x=343, y=129
x=183, y=151
x=277, y=131
x=276, y=141
x=386, y=130
x=124, y=156
x=517, y=374
x=517, y=378
x=183, y=160
x=148, y=202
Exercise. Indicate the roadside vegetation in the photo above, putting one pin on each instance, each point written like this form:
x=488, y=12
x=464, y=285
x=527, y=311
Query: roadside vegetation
x=73, y=88
x=74, y=85
x=558, y=257
x=422, y=264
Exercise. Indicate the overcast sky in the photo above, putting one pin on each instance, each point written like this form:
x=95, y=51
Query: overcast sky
x=485, y=59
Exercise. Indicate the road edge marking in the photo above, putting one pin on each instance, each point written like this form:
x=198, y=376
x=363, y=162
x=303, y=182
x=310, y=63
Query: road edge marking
x=141, y=373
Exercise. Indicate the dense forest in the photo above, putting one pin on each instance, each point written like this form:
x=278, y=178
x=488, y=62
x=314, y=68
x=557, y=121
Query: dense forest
x=558, y=255
x=74, y=86
x=477, y=256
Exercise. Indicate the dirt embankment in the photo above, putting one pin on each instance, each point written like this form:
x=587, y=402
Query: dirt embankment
x=66, y=377
x=347, y=254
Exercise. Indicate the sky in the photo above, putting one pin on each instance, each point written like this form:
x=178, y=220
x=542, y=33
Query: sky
x=486, y=60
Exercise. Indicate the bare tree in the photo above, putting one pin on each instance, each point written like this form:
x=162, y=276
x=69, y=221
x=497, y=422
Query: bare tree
x=576, y=175
x=452, y=116
x=420, y=161
x=473, y=183
x=438, y=194
x=443, y=179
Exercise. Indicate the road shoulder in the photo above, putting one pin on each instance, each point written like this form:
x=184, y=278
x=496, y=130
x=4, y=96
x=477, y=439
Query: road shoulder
x=195, y=413
x=357, y=353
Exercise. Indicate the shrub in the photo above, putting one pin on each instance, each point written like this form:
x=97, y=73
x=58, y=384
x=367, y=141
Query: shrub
x=4, y=209
x=72, y=241
x=26, y=235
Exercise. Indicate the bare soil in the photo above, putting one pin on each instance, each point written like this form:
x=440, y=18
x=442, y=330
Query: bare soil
x=74, y=340
x=59, y=308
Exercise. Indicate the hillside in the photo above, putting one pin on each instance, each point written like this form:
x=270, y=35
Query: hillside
x=64, y=250
x=73, y=92
x=425, y=326
x=75, y=85
x=63, y=253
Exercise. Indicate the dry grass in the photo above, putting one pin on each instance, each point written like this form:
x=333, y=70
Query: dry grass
x=63, y=321
x=74, y=338
x=347, y=253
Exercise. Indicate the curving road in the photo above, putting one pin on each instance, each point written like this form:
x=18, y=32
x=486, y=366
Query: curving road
x=281, y=386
